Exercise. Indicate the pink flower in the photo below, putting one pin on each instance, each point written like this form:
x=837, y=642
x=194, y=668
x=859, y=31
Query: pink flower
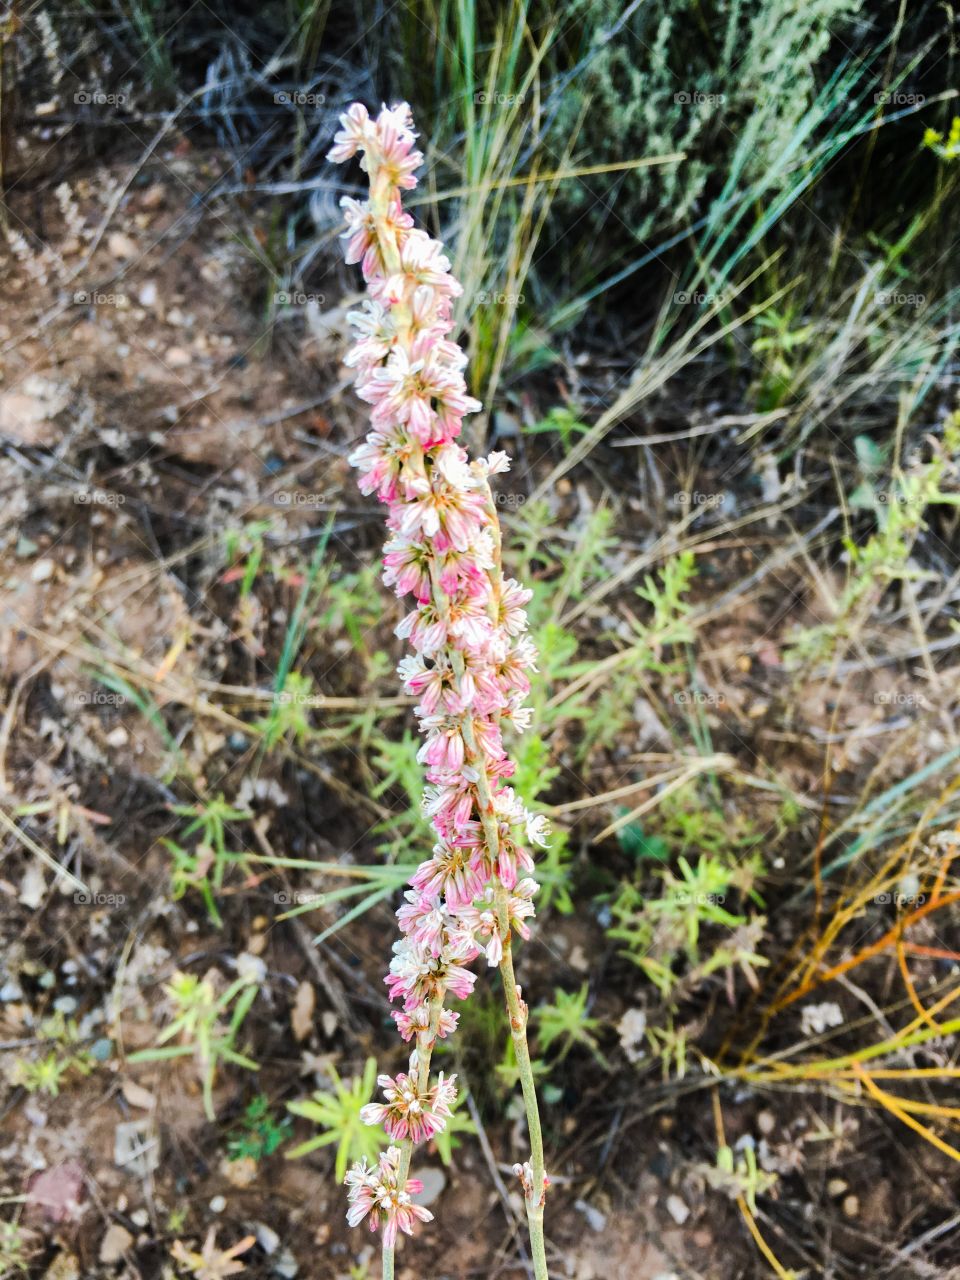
x=376, y=1191
x=417, y=1022
x=424, y=920
x=355, y=132
x=451, y=872
x=409, y=1111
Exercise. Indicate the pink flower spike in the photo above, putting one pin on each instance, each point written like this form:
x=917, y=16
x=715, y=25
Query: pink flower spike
x=471, y=659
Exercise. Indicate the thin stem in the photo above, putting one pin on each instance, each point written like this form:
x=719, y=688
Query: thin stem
x=425, y=1042
x=535, y=1188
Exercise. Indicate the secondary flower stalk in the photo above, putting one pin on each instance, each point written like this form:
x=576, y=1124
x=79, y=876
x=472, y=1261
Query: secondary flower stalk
x=469, y=668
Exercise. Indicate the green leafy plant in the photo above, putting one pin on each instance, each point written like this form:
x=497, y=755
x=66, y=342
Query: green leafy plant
x=260, y=1133
x=208, y=1026
x=737, y=1173
x=204, y=867
x=243, y=549
x=669, y=624
x=565, y=1023
x=337, y=1113
x=65, y=1057
x=562, y=420
x=659, y=929
x=17, y=1247
x=288, y=719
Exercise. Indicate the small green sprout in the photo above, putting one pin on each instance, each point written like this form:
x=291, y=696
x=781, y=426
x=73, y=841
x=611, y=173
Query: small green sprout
x=566, y=1021
x=337, y=1113
x=198, y=1012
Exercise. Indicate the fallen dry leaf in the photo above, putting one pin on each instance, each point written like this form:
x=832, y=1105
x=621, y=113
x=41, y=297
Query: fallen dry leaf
x=301, y=1015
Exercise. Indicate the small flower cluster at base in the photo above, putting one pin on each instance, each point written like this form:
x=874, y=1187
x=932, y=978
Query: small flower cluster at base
x=466, y=623
x=376, y=1191
x=528, y=1182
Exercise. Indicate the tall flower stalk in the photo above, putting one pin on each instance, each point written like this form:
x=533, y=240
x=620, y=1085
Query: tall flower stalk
x=469, y=669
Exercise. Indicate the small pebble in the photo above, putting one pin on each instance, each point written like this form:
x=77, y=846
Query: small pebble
x=596, y=1220
x=766, y=1123
x=851, y=1206
x=267, y=1238
x=677, y=1210
x=286, y=1266
x=218, y=1204
x=434, y=1181
x=42, y=570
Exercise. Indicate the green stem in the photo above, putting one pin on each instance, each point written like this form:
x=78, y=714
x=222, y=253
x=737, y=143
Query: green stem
x=425, y=1045
x=535, y=1194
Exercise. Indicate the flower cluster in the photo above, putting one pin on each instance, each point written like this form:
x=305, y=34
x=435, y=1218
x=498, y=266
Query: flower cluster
x=471, y=660
x=377, y=1191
